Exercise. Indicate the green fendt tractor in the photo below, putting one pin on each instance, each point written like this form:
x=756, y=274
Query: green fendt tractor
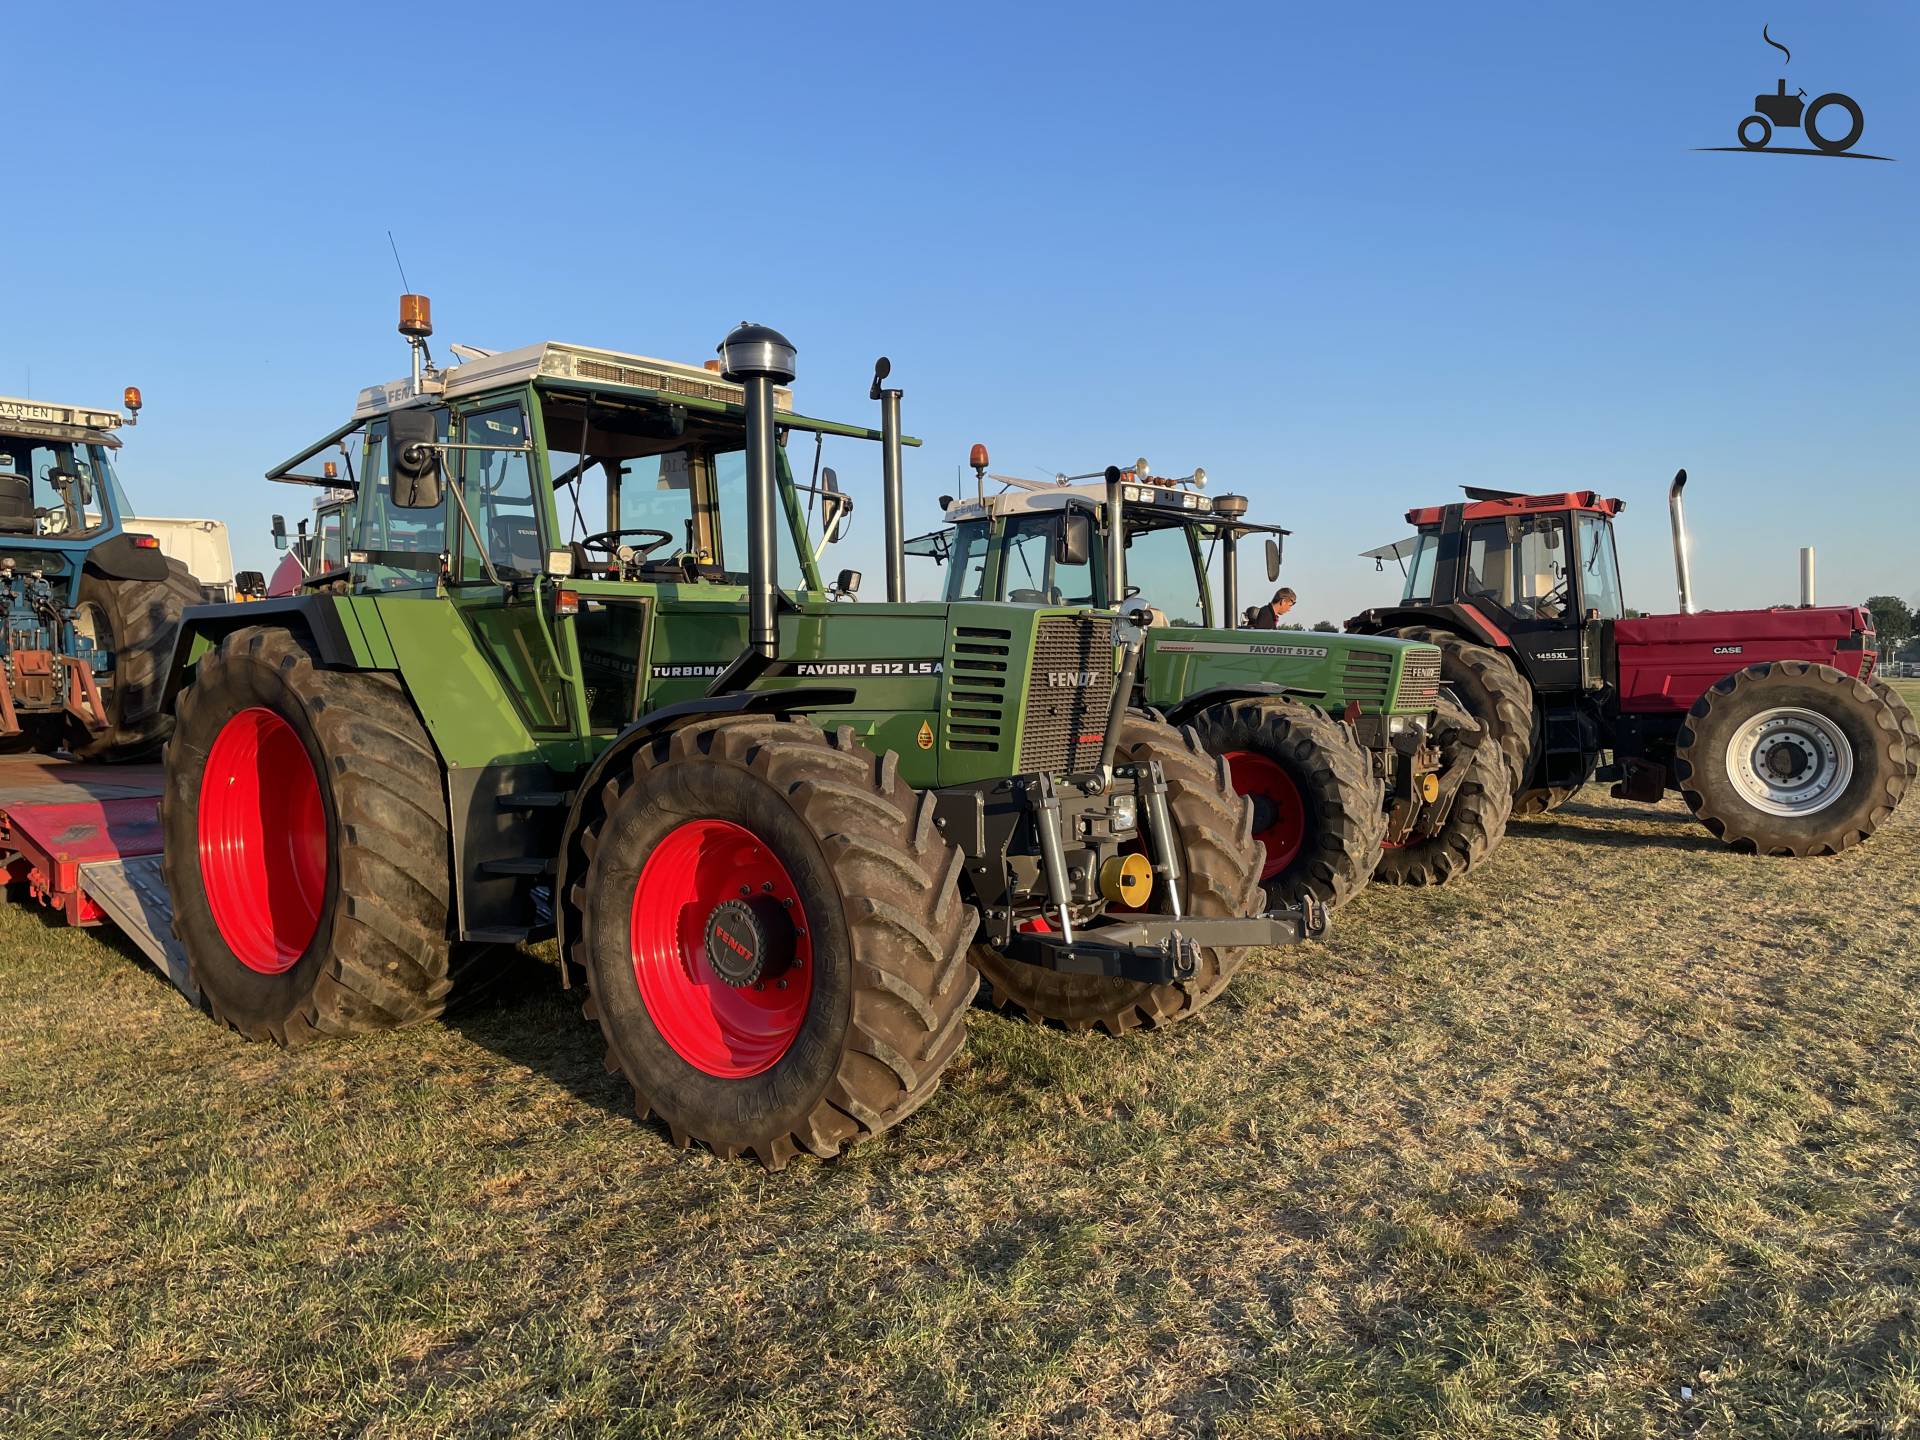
x=1358, y=764
x=777, y=833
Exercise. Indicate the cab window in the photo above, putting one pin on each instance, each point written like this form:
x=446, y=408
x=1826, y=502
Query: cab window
x=1419, y=586
x=330, y=544
x=497, y=484
x=967, y=564
x=1161, y=570
x=53, y=487
x=1520, y=564
x=1599, y=568
x=1029, y=572
x=403, y=547
x=730, y=489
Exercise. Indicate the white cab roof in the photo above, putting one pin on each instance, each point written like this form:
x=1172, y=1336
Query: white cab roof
x=552, y=360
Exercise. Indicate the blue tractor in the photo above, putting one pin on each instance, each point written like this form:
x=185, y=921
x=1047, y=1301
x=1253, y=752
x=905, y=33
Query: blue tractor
x=88, y=608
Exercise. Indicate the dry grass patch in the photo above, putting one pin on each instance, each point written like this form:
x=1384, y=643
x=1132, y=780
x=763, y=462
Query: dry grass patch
x=1622, y=1114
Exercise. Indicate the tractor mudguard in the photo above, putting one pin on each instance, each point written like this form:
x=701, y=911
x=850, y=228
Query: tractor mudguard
x=1465, y=620
x=670, y=717
x=118, y=558
x=314, y=617
x=1190, y=706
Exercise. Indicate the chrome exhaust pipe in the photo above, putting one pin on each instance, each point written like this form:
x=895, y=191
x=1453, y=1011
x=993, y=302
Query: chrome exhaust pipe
x=890, y=467
x=1683, y=572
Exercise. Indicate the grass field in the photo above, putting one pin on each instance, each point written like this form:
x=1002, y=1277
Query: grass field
x=1616, y=1138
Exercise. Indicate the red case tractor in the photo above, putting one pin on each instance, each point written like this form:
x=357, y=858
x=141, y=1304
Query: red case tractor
x=1769, y=723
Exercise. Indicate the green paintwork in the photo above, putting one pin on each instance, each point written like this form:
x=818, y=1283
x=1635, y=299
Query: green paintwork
x=1333, y=670
x=505, y=681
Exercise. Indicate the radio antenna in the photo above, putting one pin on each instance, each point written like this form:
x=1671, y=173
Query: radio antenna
x=397, y=265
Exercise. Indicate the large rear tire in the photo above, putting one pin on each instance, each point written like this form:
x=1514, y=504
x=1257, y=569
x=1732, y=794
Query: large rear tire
x=1475, y=822
x=1318, y=809
x=774, y=938
x=1220, y=863
x=1903, y=717
x=140, y=619
x=1791, y=758
x=1493, y=690
x=305, y=845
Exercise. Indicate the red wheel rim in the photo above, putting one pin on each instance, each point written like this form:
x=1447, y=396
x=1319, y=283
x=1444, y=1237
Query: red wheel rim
x=725, y=1030
x=263, y=841
x=1279, y=814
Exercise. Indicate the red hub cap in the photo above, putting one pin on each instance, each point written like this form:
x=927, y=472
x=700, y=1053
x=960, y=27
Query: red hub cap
x=263, y=841
x=722, y=950
x=1279, y=813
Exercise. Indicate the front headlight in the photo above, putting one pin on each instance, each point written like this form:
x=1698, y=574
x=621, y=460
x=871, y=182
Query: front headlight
x=1123, y=812
x=1397, y=724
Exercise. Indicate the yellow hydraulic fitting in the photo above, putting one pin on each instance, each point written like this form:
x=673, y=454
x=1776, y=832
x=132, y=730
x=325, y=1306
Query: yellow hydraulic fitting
x=1127, y=879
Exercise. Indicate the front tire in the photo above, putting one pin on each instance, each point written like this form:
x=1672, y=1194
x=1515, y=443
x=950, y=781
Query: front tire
x=1791, y=758
x=306, y=845
x=138, y=621
x=1318, y=807
x=1492, y=689
x=1475, y=822
x=1220, y=865
x=774, y=938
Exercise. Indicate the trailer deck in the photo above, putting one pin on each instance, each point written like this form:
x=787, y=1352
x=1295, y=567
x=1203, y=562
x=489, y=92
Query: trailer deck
x=83, y=840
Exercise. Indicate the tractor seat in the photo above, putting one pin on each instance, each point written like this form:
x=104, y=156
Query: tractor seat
x=16, y=504
x=514, y=542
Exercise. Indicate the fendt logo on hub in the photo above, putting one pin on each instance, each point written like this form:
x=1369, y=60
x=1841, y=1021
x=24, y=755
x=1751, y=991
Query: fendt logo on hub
x=1832, y=123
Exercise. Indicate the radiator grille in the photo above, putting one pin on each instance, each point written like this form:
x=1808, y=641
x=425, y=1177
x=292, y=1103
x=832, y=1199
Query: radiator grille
x=1419, y=679
x=1070, y=688
x=976, y=690
x=1368, y=679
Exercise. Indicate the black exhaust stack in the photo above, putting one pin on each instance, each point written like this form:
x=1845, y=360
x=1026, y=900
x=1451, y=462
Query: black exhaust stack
x=890, y=467
x=1116, y=537
x=757, y=358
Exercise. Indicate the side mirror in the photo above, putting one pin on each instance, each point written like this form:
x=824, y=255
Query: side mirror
x=1273, y=558
x=1073, y=542
x=416, y=460
x=836, y=513
x=279, y=532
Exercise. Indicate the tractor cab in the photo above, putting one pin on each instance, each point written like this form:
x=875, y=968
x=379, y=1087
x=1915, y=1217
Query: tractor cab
x=77, y=589
x=1039, y=542
x=1536, y=573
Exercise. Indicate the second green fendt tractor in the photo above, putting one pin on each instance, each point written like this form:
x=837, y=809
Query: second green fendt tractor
x=1358, y=764
x=779, y=835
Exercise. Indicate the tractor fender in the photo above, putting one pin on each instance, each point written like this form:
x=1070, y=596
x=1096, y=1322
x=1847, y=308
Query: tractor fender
x=1190, y=706
x=655, y=722
x=312, y=617
x=118, y=558
x=1466, y=620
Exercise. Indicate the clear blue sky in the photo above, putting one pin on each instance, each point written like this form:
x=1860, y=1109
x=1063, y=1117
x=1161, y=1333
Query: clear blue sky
x=1345, y=257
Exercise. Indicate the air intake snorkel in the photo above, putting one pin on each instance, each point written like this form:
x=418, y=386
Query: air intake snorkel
x=757, y=358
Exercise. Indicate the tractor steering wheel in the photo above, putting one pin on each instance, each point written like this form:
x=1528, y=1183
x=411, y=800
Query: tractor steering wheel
x=607, y=541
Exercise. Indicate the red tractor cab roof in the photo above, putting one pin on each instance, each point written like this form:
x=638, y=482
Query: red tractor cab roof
x=1424, y=517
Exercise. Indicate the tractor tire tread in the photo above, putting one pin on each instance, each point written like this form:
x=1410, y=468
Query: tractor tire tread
x=907, y=923
x=1335, y=777
x=391, y=960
